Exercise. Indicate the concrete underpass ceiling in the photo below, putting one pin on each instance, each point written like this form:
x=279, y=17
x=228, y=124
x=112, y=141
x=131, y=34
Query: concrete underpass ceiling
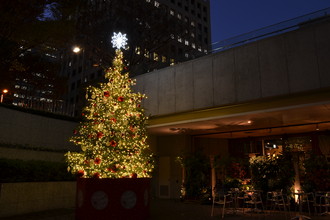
x=302, y=119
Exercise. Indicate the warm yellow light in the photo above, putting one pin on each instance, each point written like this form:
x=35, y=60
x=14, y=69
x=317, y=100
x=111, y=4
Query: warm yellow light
x=5, y=91
x=76, y=49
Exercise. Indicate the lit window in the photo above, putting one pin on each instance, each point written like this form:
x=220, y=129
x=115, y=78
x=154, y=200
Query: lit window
x=205, y=51
x=193, y=45
x=199, y=48
x=147, y=0
x=156, y=4
x=137, y=50
x=171, y=12
x=172, y=61
x=70, y=63
x=172, y=36
x=192, y=35
x=179, y=16
x=17, y=86
x=156, y=58
x=180, y=39
x=164, y=59
x=192, y=23
x=186, y=42
x=186, y=55
x=146, y=53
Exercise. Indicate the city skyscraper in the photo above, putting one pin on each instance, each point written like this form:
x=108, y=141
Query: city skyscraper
x=160, y=33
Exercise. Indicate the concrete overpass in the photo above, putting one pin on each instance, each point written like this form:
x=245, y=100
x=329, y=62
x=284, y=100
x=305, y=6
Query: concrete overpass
x=276, y=85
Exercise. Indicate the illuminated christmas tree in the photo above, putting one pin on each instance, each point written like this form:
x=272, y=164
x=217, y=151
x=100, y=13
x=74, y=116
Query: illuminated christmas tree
x=112, y=136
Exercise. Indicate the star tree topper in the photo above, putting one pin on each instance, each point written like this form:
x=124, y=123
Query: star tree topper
x=119, y=40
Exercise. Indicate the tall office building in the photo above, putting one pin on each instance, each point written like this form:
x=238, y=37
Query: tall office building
x=160, y=33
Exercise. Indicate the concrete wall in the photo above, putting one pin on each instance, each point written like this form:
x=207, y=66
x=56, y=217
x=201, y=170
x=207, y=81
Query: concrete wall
x=25, y=154
x=293, y=62
x=169, y=148
x=23, y=198
x=34, y=130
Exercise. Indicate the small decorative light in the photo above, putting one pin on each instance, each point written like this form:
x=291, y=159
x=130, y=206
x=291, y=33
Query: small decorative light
x=317, y=127
x=119, y=40
x=76, y=49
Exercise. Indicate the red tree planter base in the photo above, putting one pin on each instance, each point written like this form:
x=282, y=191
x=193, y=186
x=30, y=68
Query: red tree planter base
x=112, y=199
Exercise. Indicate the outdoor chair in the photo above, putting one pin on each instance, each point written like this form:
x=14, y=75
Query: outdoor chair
x=276, y=200
x=221, y=199
x=237, y=197
x=253, y=199
x=321, y=203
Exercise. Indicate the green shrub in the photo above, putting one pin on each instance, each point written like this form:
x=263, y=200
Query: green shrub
x=273, y=173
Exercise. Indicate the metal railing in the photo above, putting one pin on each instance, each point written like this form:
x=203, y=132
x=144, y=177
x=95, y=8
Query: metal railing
x=272, y=30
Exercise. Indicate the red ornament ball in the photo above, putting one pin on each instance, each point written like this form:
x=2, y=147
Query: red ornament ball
x=113, y=143
x=80, y=173
x=96, y=175
x=97, y=161
x=99, y=134
x=106, y=93
x=120, y=99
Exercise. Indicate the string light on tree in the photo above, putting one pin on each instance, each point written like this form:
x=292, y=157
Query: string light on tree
x=112, y=137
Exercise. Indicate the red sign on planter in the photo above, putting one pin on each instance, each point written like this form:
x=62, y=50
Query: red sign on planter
x=112, y=199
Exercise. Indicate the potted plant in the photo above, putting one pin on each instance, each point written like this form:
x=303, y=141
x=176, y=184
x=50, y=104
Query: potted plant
x=115, y=163
x=195, y=186
x=271, y=173
x=317, y=173
x=232, y=172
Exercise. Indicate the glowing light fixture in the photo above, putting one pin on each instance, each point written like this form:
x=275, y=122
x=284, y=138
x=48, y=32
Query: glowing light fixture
x=76, y=49
x=119, y=40
x=3, y=92
x=317, y=127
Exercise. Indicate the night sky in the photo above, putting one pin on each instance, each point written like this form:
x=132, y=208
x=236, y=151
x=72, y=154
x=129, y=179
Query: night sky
x=234, y=17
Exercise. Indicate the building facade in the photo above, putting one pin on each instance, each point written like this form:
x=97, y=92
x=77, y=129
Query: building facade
x=258, y=99
x=160, y=34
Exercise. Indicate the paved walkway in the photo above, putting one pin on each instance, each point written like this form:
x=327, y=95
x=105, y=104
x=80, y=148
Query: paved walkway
x=170, y=210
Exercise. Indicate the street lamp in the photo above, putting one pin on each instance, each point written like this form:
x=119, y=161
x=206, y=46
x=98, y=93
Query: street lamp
x=77, y=50
x=3, y=92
